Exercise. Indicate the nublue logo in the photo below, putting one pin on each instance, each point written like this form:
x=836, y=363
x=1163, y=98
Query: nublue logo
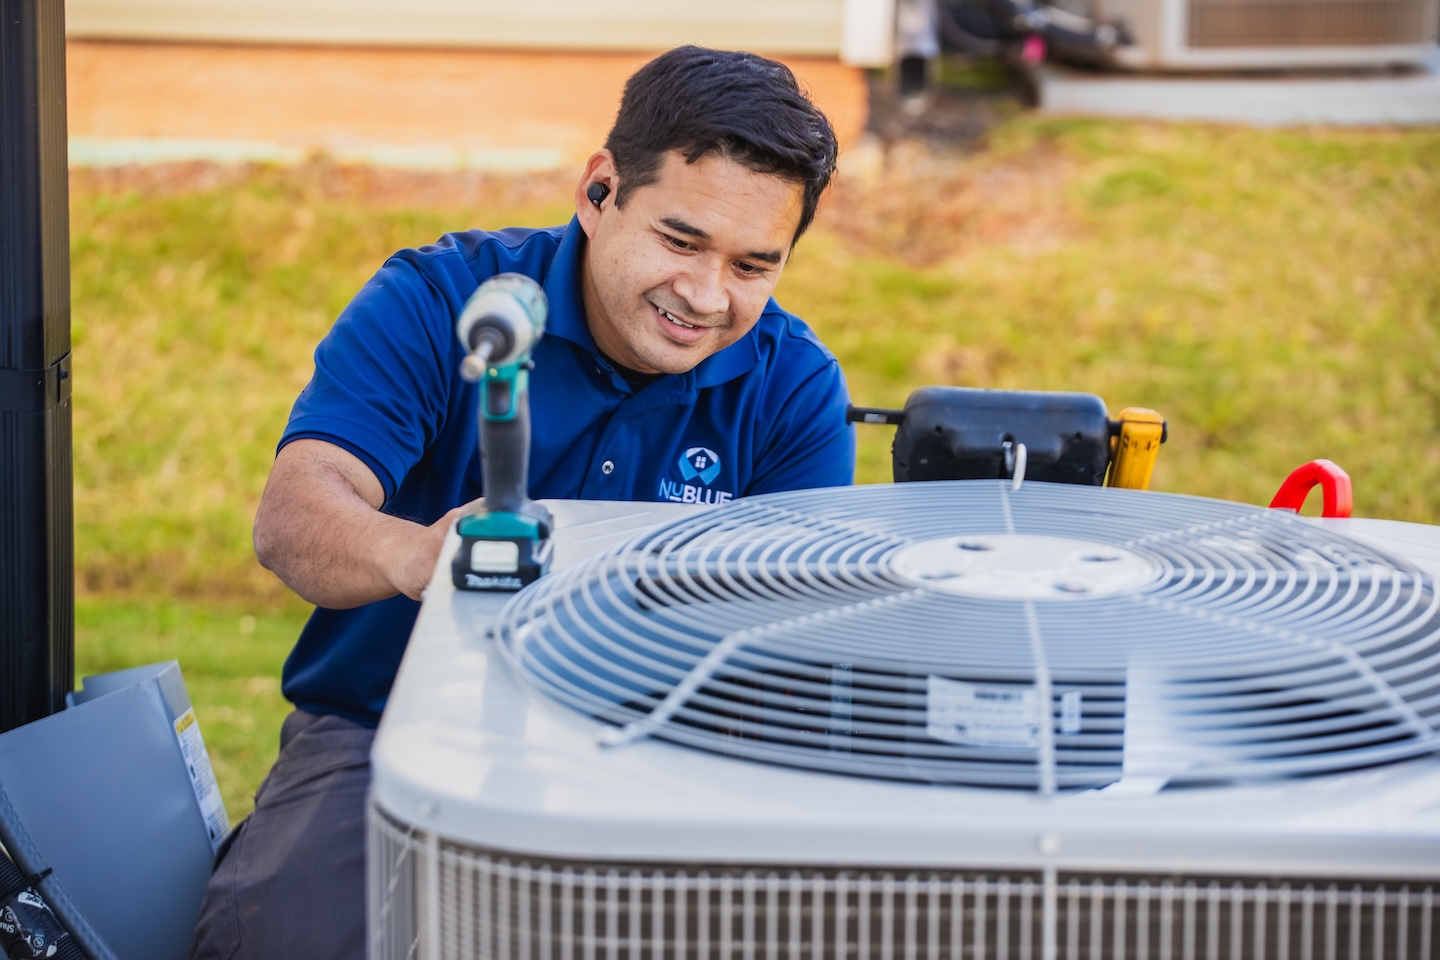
x=700, y=462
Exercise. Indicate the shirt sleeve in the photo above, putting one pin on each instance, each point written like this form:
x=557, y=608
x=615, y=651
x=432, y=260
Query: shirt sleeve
x=381, y=384
x=809, y=444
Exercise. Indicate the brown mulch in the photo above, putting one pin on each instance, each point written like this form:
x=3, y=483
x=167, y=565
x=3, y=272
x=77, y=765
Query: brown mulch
x=324, y=179
x=921, y=189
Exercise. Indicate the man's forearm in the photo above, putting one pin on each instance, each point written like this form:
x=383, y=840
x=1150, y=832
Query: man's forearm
x=319, y=528
x=335, y=557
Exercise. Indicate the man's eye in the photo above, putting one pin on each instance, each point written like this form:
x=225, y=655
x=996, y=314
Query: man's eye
x=749, y=269
x=677, y=243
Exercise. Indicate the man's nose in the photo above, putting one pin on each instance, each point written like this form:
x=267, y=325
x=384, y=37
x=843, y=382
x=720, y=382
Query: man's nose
x=703, y=288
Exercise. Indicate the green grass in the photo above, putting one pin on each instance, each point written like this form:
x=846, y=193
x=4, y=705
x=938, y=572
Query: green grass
x=231, y=663
x=1275, y=294
x=194, y=317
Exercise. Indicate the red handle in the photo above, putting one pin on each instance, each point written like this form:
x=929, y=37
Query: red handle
x=1334, y=482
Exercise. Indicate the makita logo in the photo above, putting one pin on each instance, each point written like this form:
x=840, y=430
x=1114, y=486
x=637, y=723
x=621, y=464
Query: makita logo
x=697, y=463
x=476, y=582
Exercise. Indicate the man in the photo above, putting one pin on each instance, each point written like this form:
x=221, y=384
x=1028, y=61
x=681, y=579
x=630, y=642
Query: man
x=666, y=372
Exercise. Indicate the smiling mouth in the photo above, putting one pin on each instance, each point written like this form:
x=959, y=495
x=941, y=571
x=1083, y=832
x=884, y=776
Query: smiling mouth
x=676, y=320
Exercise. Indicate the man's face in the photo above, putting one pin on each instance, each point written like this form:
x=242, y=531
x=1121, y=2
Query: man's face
x=686, y=266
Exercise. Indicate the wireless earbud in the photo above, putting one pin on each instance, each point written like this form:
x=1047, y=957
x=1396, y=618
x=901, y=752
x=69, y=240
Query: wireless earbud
x=597, y=192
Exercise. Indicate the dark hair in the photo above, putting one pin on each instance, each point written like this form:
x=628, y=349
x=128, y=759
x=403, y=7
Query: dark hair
x=741, y=106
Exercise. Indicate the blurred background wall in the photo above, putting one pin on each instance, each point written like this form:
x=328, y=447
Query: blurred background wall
x=475, y=84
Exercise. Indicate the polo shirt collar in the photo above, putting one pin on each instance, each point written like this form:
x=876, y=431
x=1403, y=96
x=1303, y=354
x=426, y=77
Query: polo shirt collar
x=567, y=318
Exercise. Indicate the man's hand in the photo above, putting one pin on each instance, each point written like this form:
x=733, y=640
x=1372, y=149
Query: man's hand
x=413, y=576
x=320, y=529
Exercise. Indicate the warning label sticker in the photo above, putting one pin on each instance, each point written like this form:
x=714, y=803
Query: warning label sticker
x=202, y=776
x=982, y=715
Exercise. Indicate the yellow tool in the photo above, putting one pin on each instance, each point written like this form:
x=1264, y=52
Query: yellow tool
x=1134, y=448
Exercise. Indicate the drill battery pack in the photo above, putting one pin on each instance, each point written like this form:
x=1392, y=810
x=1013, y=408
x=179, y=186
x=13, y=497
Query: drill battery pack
x=500, y=552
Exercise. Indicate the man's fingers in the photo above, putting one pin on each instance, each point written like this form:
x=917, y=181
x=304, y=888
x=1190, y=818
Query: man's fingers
x=455, y=513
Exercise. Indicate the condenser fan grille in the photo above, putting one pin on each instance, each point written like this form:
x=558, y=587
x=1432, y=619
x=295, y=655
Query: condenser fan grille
x=1051, y=638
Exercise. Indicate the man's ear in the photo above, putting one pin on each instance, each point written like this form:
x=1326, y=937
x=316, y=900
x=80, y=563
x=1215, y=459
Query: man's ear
x=595, y=193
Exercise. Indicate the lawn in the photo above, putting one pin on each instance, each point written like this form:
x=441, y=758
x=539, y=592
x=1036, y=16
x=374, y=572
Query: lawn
x=1275, y=294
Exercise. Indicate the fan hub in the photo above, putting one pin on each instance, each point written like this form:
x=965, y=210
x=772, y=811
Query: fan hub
x=1011, y=566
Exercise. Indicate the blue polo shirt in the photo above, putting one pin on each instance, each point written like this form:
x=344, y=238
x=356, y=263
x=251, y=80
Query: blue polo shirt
x=767, y=413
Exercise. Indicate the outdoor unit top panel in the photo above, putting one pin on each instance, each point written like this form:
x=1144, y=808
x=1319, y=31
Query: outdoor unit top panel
x=967, y=634
x=812, y=27
x=472, y=752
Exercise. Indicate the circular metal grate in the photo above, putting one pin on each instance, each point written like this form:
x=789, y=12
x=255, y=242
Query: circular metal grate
x=1051, y=638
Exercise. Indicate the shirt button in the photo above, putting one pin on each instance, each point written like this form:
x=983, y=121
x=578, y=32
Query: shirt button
x=608, y=467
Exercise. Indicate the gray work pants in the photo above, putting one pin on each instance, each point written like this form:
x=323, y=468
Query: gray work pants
x=290, y=880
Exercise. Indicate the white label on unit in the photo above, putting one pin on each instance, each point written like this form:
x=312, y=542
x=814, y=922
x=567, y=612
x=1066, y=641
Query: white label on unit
x=1070, y=711
x=202, y=776
x=982, y=715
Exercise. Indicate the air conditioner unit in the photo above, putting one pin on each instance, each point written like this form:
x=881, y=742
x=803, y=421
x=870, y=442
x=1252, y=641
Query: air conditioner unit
x=953, y=719
x=1269, y=34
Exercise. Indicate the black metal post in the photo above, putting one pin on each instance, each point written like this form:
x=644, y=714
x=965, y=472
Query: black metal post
x=37, y=533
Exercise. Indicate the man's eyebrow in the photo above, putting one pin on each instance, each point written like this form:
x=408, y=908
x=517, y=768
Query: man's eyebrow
x=680, y=226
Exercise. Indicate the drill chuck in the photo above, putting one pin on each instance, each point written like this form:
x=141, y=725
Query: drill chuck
x=485, y=342
x=502, y=319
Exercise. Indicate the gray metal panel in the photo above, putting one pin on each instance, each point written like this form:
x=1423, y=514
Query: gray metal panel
x=166, y=676
x=103, y=792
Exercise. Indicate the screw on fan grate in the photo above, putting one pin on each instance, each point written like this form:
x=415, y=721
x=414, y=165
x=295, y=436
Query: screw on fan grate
x=1057, y=637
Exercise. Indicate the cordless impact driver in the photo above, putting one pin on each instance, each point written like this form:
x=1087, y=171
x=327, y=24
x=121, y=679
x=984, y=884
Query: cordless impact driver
x=506, y=544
